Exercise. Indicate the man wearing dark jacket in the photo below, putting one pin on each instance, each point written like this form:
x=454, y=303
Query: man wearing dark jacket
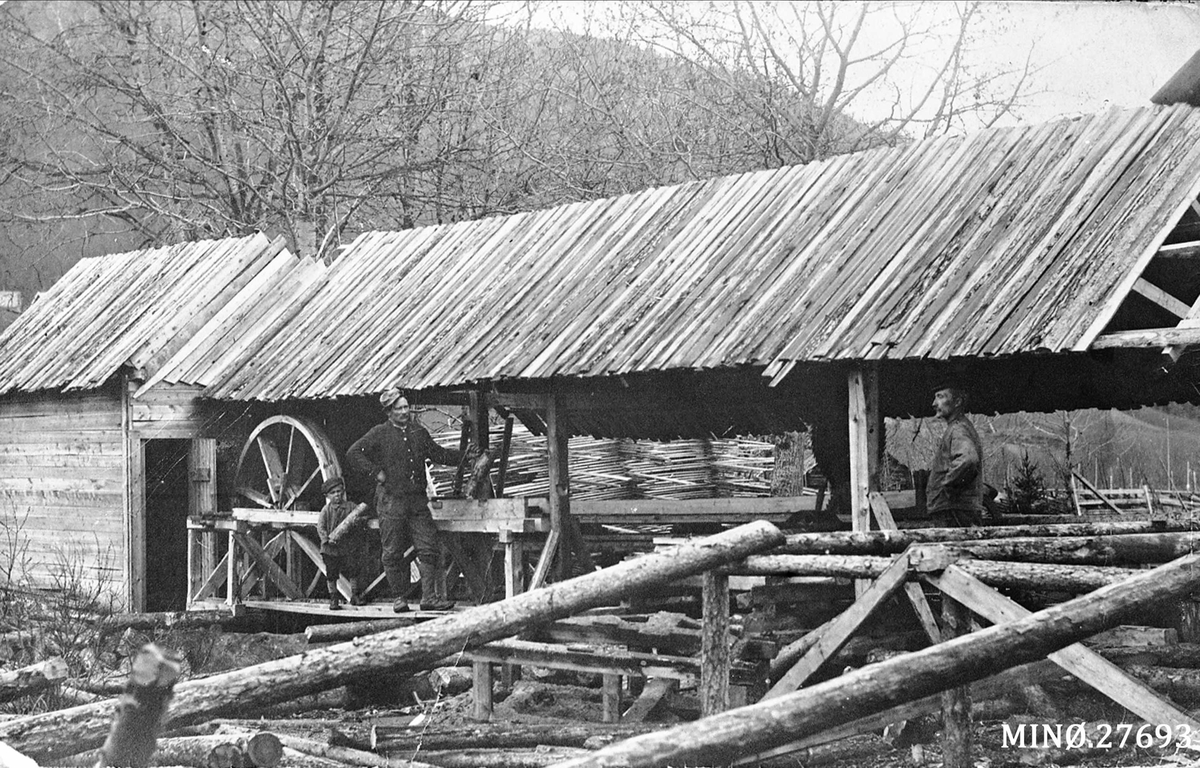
x=954, y=494
x=395, y=452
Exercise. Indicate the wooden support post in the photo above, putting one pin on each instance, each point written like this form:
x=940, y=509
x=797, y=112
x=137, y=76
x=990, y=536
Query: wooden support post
x=956, y=702
x=481, y=440
x=464, y=439
x=914, y=593
x=865, y=442
x=545, y=560
x=514, y=563
x=195, y=572
x=838, y=631
x=714, y=645
x=560, y=491
x=505, y=449
x=232, y=587
x=481, y=690
x=1085, y=664
x=611, y=698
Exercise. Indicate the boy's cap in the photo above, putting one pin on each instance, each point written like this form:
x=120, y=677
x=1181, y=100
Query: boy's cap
x=331, y=485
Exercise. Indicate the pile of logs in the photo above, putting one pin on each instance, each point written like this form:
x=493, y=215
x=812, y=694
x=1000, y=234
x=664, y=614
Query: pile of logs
x=987, y=648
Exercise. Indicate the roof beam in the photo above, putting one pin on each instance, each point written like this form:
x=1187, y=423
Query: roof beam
x=1161, y=298
x=1146, y=338
x=1189, y=249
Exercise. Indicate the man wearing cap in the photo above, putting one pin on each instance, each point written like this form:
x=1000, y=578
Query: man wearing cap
x=954, y=494
x=396, y=451
x=346, y=551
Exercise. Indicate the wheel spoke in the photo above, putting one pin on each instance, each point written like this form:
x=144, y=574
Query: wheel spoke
x=294, y=493
x=275, y=476
x=254, y=496
x=287, y=465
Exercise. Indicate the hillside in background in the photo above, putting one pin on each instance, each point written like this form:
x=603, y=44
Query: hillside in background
x=1113, y=449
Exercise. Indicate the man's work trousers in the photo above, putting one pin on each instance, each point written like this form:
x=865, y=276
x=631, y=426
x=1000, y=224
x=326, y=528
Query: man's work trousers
x=403, y=519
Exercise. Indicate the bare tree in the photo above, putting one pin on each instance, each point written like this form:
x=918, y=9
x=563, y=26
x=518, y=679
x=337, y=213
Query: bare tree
x=191, y=119
x=138, y=122
x=822, y=78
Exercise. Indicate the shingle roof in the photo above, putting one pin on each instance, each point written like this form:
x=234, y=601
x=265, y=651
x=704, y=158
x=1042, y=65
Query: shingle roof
x=124, y=309
x=1003, y=242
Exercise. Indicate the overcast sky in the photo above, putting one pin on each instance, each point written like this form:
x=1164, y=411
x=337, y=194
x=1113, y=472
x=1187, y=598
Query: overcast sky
x=1095, y=54
x=1088, y=55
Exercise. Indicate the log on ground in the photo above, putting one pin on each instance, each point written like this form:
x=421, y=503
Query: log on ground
x=785, y=719
x=895, y=542
x=500, y=736
x=330, y=633
x=501, y=758
x=31, y=679
x=406, y=650
x=1011, y=575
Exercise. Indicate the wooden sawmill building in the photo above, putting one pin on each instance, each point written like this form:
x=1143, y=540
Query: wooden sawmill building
x=1047, y=266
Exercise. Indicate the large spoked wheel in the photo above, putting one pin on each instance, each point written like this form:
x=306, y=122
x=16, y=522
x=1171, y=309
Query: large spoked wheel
x=283, y=464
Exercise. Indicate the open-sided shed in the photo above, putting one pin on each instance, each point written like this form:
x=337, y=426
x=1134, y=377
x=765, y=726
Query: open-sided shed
x=1049, y=266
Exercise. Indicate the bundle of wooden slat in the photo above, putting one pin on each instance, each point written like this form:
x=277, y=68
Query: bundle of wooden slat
x=629, y=469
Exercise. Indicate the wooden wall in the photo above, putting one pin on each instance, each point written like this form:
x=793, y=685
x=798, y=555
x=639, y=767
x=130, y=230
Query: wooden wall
x=62, y=488
x=72, y=479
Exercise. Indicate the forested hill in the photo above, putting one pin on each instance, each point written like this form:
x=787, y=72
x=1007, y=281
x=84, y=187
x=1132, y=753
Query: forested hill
x=129, y=124
x=145, y=123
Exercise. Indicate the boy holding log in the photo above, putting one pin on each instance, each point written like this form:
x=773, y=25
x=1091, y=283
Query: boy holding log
x=340, y=528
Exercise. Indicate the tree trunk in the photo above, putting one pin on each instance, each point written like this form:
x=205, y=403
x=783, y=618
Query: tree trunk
x=893, y=542
x=328, y=633
x=787, y=476
x=786, y=719
x=1041, y=576
x=1183, y=655
x=501, y=736
x=407, y=650
x=140, y=710
x=261, y=750
x=501, y=758
x=36, y=677
x=346, y=755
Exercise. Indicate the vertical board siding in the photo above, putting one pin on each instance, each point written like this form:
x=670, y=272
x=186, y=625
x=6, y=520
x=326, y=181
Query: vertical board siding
x=62, y=482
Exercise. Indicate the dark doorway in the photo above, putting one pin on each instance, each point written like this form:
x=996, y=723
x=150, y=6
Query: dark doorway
x=166, y=524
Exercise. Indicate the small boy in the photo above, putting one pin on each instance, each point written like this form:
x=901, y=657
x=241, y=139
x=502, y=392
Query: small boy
x=338, y=554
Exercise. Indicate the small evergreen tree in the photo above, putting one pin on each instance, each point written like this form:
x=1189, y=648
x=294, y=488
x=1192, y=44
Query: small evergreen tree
x=1028, y=488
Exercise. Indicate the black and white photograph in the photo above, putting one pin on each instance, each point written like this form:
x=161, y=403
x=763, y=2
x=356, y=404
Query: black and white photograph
x=599, y=383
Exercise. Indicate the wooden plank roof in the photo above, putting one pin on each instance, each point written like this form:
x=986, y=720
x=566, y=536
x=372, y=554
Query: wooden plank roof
x=125, y=309
x=1004, y=242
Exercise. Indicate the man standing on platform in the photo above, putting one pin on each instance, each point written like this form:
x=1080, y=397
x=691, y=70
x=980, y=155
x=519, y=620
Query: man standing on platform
x=395, y=452
x=954, y=494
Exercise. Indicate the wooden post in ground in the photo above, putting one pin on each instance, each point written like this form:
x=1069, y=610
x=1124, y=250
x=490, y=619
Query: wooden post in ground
x=714, y=645
x=723, y=738
x=560, y=492
x=956, y=702
x=402, y=651
x=865, y=444
x=481, y=691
